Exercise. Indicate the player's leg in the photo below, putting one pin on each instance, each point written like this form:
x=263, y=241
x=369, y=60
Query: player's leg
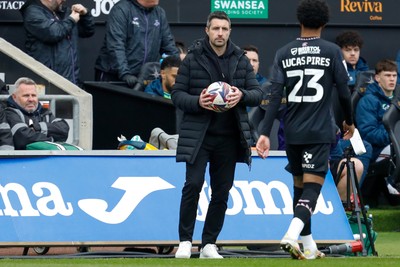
x=314, y=166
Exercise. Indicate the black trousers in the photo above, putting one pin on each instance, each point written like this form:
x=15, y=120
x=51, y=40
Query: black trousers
x=221, y=152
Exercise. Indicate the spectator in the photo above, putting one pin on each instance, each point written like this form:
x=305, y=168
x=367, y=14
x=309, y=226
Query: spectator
x=52, y=32
x=219, y=138
x=29, y=121
x=253, y=56
x=361, y=164
x=351, y=42
x=182, y=49
x=137, y=32
x=307, y=68
x=372, y=106
x=163, y=85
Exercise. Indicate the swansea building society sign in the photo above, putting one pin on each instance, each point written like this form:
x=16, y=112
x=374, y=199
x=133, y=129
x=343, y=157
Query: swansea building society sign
x=248, y=9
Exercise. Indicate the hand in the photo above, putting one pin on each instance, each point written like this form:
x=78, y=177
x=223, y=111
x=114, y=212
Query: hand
x=79, y=9
x=205, y=100
x=234, y=96
x=75, y=16
x=131, y=80
x=263, y=146
x=348, y=131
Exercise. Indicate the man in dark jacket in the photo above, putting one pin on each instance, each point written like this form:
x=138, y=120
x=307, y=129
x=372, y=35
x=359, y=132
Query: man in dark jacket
x=222, y=139
x=162, y=85
x=377, y=99
x=137, y=32
x=29, y=121
x=52, y=32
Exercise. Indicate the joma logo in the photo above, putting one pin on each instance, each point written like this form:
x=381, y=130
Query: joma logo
x=360, y=6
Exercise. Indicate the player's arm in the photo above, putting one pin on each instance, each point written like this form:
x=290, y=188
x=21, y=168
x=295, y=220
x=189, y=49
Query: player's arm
x=345, y=103
x=271, y=111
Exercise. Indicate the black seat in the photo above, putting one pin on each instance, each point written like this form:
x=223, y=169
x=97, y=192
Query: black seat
x=148, y=72
x=391, y=120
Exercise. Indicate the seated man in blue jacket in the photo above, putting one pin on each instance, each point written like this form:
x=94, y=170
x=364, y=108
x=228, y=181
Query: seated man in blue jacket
x=372, y=106
x=163, y=85
x=351, y=42
x=29, y=121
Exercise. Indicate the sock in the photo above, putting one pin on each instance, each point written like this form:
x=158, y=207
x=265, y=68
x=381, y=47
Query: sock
x=295, y=227
x=308, y=242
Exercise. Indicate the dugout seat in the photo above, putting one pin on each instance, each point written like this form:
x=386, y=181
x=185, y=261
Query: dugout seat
x=148, y=72
x=391, y=120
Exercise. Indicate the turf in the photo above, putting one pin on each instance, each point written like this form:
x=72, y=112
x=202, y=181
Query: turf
x=386, y=245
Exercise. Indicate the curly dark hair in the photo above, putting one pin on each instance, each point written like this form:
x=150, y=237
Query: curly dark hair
x=349, y=38
x=313, y=14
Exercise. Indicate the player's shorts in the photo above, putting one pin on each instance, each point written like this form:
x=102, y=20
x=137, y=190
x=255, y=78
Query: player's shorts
x=308, y=158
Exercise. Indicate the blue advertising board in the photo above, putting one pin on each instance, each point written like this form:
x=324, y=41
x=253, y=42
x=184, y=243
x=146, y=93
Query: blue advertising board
x=92, y=199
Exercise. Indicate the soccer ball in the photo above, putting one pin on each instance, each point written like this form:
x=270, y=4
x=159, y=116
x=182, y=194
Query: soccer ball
x=219, y=91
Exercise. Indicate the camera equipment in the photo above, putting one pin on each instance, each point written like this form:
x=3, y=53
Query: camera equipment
x=351, y=247
x=352, y=183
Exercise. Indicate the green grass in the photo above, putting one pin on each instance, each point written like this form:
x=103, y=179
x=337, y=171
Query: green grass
x=387, y=219
x=387, y=245
x=386, y=222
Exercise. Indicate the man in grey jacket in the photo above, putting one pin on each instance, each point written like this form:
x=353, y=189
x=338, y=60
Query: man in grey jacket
x=29, y=121
x=219, y=138
x=137, y=32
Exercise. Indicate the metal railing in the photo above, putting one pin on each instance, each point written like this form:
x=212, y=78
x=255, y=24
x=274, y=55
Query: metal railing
x=53, y=99
x=83, y=108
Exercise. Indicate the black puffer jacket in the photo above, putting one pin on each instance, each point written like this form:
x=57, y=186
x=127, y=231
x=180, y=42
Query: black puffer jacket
x=193, y=76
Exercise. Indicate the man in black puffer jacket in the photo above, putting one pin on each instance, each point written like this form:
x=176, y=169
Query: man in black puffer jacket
x=222, y=139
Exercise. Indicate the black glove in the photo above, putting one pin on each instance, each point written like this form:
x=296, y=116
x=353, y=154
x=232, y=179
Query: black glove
x=131, y=80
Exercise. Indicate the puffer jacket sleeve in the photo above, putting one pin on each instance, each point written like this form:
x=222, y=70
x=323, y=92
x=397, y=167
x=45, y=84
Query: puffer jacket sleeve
x=116, y=35
x=252, y=96
x=86, y=26
x=22, y=133
x=41, y=24
x=55, y=128
x=370, y=127
x=180, y=95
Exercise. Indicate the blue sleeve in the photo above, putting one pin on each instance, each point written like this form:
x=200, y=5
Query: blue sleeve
x=368, y=122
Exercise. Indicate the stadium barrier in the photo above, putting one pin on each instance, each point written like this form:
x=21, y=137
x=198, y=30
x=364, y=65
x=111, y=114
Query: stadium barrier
x=120, y=198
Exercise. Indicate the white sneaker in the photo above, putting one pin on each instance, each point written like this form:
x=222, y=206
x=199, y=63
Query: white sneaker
x=184, y=250
x=292, y=247
x=210, y=251
x=313, y=254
